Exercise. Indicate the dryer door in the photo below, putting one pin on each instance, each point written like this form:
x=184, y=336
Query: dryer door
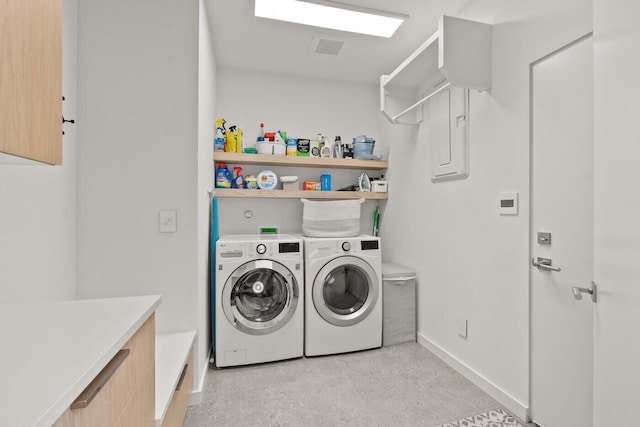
x=260, y=297
x=345, y=291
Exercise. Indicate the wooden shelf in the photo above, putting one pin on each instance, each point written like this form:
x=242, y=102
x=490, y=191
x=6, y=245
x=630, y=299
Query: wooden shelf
x=309, y=162
x=299, y=194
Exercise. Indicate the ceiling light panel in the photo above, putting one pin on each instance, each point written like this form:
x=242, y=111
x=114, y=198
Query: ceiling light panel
x=332, y=17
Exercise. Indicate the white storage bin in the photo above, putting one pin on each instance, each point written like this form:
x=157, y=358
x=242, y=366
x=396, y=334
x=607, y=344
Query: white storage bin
x=331, y=218
x=398, y=304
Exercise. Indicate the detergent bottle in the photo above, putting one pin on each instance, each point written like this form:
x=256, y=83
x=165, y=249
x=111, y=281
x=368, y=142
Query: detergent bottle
x=238, y=180
x=239, y=141
x=223, y=176
x=230, y=146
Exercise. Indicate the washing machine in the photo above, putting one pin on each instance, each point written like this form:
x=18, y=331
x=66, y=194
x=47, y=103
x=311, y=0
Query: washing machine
x=343, y=294
x=259, y=301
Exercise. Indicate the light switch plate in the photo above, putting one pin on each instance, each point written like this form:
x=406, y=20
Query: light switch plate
x=168, y=221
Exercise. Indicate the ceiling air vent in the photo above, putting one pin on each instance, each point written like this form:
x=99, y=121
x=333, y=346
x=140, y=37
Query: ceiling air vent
x=326, y=46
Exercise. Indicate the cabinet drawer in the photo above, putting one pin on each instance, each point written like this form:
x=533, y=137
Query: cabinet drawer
x=119, y=390
x=178, y=406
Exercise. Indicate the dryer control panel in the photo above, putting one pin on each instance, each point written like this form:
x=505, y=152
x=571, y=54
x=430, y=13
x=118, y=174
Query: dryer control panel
x=341, y=246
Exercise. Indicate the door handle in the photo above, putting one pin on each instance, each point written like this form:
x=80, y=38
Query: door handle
x=593, y=291
x=544, y=264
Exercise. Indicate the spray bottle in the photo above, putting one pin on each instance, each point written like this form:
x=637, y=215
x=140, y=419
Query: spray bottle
x=220, y=138
x=260, y=133
x=230, y=146
x=238, y=180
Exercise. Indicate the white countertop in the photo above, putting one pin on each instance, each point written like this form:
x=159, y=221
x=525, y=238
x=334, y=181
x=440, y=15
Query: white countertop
x=50, y=352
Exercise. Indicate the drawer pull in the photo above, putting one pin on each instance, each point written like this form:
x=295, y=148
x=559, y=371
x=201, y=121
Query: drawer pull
x=100, y=380
x=182, y=375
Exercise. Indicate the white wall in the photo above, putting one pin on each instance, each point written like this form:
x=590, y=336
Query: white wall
x=303, y=107
x=470, y=261
x=138, y=114
x=206, y=125
x=38, y=206
x=617, y=209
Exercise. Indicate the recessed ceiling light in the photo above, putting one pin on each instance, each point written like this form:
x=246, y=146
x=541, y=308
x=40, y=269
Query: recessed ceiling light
x=331, y=14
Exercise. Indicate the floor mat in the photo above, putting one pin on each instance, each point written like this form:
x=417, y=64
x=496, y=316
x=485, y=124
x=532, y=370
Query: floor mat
x=494, y=418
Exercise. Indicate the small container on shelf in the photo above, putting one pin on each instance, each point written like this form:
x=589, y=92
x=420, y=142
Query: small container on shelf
x=251, y=182
x=379, y=186
x=312, y=186
x=289, y=182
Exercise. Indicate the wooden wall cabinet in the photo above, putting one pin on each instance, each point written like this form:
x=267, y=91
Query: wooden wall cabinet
x=31, y=79
x=127, y=398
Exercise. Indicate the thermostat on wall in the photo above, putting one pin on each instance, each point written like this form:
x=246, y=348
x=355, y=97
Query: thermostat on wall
x=508, y=203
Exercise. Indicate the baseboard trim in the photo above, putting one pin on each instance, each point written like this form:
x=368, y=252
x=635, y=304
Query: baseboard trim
x=518, y=408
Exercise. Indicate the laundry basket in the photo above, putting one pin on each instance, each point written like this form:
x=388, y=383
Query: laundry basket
x=398, y=304
x=331, y=218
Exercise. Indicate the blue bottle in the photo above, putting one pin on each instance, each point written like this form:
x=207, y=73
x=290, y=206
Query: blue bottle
x=219, y=141
x=238, y=180
x=223, y=176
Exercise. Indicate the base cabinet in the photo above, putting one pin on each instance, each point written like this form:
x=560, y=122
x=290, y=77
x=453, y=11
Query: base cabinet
x=178, y=406
x=125, y=396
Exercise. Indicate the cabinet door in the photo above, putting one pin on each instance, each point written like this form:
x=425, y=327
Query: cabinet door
x=31, y=79
x=446, y=120
x=127, y=397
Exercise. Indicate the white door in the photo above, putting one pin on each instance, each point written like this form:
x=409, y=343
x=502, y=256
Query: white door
x=617, y=212
x=562, y=205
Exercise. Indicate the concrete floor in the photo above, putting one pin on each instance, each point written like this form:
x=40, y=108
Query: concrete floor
x=402, y=385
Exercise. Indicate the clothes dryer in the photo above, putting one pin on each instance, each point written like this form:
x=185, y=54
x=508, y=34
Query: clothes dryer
x=259, y=301
x=343, y=294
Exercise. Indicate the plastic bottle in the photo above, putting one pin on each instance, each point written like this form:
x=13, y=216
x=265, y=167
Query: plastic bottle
x=337, y=148
x=223, y=176
x=278, y=138
x=261, y=132
x=231, y=144
x=238, y=180
x=239, y=141
x=219, y=141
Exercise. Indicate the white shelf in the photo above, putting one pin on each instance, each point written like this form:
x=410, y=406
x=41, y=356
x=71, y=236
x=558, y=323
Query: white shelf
x=458, y=54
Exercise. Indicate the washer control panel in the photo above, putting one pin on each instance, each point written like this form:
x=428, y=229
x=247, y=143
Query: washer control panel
x=346, y=246
x=261, y=249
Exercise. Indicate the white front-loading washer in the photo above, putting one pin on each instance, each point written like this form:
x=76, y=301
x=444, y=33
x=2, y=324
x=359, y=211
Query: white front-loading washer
x=259, y=301
x=343, y=294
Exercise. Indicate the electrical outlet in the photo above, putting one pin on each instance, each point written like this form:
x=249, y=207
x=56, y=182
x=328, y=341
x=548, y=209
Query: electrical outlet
x=168, y=221
x=462, y=327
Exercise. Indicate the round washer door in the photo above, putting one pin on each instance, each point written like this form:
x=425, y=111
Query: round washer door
x=345, y=291
x=260, y=297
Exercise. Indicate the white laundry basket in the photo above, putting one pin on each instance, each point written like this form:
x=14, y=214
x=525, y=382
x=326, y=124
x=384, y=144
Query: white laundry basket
x=398, y=304
x=331, y=218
